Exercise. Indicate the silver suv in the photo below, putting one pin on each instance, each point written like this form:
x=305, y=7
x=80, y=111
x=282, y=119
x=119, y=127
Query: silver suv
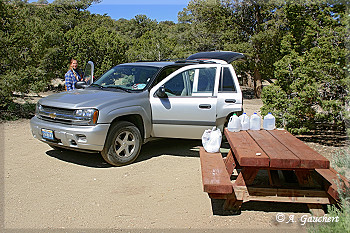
x=135, y=102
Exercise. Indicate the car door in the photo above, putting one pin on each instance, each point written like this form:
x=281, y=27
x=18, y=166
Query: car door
x=229, y=98
x=189, y=106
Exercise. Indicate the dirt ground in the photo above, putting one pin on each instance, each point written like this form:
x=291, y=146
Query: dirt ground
x=50, y=191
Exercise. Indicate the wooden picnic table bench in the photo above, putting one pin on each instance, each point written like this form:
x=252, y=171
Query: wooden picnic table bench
x=274, y=150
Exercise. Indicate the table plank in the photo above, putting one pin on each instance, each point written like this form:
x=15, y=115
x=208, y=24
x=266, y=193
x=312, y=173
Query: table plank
x=331, y=177
x=280, y=156
x=284, y=195
x=245, y=149
x=230, y=162
x=308, y=157
x=214, y=174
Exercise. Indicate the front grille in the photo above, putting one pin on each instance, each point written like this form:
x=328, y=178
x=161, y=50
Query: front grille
x=60, y=115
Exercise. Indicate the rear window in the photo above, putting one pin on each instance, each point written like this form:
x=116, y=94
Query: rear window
x=226, y=81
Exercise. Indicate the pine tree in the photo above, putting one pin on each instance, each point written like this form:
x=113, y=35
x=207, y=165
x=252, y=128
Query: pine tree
x=310, y=76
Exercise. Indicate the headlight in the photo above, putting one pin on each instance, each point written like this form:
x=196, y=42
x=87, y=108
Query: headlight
x=38, y=108
x=86, y=116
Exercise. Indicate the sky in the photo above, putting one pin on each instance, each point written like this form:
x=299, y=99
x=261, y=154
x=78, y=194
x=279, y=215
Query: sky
x=160, y=10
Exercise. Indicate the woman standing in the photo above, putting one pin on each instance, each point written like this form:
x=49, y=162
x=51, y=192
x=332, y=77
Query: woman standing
x=72, y=76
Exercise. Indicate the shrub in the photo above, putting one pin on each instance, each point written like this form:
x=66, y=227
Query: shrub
x=15, y=111
x=342, y=162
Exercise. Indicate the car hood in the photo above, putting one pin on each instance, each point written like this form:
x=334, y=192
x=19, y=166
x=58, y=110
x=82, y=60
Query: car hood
x=85, y=98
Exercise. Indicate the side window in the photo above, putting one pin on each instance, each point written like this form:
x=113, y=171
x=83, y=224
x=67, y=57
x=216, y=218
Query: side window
x=164, y=73
x=204, y=84
x=181, y=84
x=226, y=81
x=193, y=82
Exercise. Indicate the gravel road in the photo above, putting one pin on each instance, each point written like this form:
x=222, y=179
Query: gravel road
x=50, y=191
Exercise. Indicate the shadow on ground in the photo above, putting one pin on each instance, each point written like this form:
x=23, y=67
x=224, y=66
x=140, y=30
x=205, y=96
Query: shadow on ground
x=181, y=148
x=217, y=207
x=172, y=147
x=326, y=138
x=94, y=160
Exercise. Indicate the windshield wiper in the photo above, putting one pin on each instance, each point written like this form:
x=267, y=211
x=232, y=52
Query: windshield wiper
x=95, y=85
x=118, y=87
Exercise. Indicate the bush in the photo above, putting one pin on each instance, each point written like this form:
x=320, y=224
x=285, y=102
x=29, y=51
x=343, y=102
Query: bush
x=342, y=162
x=310, y=89
x=15, y=111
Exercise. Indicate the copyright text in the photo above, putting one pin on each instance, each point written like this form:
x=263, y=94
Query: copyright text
x=280, y=217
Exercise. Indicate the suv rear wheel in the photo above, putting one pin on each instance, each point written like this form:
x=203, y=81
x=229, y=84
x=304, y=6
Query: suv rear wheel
x=123, y=144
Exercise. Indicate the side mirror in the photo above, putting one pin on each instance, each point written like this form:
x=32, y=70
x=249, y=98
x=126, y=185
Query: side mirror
x=89, y=73
x=161, y=92
x=80, y=85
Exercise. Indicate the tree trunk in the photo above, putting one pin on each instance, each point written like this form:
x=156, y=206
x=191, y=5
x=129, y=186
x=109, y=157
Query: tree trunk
x=257, y=46
x=249, y=80
x=257, y=83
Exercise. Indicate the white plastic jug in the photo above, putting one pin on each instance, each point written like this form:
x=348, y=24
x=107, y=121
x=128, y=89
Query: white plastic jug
x=245, y=121
x=255, y=122
x=234, y=124
x=211, y=140
x=269, y=122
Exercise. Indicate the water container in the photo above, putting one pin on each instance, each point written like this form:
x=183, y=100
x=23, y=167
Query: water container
x=234, y=124
x=255, y=122
x=245, y=121
x=269, y=122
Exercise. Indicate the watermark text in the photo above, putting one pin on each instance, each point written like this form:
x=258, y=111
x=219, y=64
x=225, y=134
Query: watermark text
x=283, y=218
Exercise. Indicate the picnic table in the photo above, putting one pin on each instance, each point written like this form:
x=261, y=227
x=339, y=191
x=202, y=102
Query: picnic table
x=273, y=151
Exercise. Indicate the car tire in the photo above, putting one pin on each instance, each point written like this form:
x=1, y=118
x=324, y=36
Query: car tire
x=123, y=144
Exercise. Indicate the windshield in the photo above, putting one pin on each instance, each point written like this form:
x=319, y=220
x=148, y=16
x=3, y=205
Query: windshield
x=127, y=77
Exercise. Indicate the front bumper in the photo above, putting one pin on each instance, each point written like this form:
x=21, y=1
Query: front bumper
x=90, y=138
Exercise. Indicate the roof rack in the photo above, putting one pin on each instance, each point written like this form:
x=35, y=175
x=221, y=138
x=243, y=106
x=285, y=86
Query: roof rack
x=162, y=60
x=199, y=61
x=227, y=56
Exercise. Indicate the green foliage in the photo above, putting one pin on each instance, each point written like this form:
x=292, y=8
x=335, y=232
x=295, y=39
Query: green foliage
x=342, y=162
x=207, y=19
x=250, y=27
x=343, y=225
x=15, y=111
x=311, y=71
x=76, y=4
x=39, y=41
x=95, y=42
x=278, y=108
x=301, y=46
x=153, y=46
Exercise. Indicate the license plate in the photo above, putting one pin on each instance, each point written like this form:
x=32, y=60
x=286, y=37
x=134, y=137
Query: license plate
x=47, y=134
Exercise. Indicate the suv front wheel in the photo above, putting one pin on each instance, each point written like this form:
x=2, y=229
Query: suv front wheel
x=123, y=144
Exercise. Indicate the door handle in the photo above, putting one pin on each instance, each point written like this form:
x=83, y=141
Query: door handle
x=230, y=101
x=205, y=106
